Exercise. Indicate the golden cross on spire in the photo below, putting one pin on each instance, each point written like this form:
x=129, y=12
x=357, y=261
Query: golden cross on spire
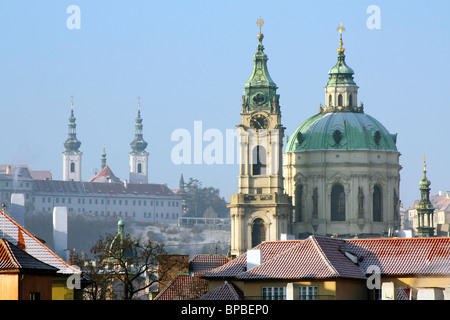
x=424, y=163
x=341, y=29
x=260, y=23
x=139, y=103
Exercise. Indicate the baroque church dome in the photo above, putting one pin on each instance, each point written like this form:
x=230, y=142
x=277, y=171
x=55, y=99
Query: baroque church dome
x=341, y=131
x=341, y=166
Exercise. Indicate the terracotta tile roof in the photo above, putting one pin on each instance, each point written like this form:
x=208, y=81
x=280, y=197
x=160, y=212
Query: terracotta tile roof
x=313, y=258
x=323, y=257
x=238, y=265
x=226, y=291
x=12, y=258
x=201, y=263
x=17, y=235
x=398, y=256
x=184, y=287
x=105, y=175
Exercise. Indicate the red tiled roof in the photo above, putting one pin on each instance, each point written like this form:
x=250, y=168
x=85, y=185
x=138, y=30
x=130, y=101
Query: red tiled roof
x=313, y=258
x=13, y=258
x=226, y=291
x=16, y=234
x=105, y=175
x=202, y=263
x=323, y=257
x=184, y=287
x=397, y=256
x=238, y=265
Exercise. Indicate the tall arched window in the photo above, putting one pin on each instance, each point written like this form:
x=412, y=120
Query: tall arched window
x=298, y=203
x=258, y=232
x=350, y=100
x=377, y=204
x=340, y=102
x=337, y=203
x=139, y=168
x=330, y=100
x=72, y=167
x=259, y=161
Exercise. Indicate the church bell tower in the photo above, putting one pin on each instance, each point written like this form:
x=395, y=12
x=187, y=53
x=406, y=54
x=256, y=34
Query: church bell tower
x=260, y=211
x=72, y=156
x=138, y=155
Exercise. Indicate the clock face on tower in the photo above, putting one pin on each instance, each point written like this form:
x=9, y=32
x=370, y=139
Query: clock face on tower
x=258, y=122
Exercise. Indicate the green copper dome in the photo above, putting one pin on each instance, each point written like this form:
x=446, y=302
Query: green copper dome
x=138, y=144
x=341, y=74
x=341, y=131
x=72, y=143
x=344, y=126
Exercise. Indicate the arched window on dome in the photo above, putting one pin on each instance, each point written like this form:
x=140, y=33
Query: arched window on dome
x=330, y=100
x=377, y=204
x=72, y=167
x=259, y=161
x=340, y=103
x=350, y=100
x=139, y=168
x=258, y=232
x=337, y=203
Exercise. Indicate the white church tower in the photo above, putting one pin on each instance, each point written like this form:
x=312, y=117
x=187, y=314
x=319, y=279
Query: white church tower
x=72, y=156
x=138, y=155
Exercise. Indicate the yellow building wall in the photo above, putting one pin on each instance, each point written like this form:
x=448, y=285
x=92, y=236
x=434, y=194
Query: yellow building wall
x=60, y=291
x=9, y=287
x=419, y=282
x=341, y=289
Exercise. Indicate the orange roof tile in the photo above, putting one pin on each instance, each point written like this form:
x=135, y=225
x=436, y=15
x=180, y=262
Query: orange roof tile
x=202, y=263
x=396, y=256
x=12, y=258
x=226, y=291
x=17, y=235
x=314, y=258
x=184, y=287
x=323, y=257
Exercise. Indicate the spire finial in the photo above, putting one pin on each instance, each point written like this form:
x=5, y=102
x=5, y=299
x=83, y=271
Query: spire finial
x=103, y=163
x=139, y=106
x=424, y=163
x=260, y=23
x=71, y=106
x=341, y=29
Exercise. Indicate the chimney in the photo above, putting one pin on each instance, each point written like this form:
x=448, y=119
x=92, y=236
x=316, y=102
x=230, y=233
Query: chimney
x=60, y=232
x=287, y=237
x=254, y=258
x=18, y=208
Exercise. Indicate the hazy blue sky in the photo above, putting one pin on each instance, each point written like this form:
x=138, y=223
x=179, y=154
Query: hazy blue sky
x=189, y=60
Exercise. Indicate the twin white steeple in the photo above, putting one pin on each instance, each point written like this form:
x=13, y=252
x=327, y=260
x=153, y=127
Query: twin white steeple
x=138, y=156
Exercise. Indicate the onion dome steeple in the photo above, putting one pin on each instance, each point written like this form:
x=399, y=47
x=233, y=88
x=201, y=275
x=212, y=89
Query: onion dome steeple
x=103, y=158
x=260, y=90
x=341, y=90
x=340, y=123
x=72, y=143
x=425, y=209
x=138, y=144
x=341, y=74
